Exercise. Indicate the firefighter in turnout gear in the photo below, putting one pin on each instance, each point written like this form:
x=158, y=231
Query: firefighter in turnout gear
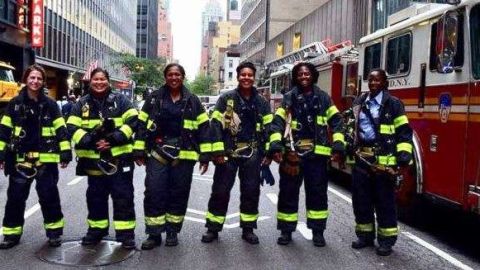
x=383, y=151
x=173, y=135
x=299, y=141
x=240, y=123
x=33, y=140
x=101, y=125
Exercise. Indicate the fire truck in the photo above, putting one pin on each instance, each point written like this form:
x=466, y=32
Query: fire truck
x=336, y=63
x=431, y=53
x=8, y=87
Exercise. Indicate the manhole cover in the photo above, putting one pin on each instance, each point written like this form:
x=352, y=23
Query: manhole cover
x=73, y=253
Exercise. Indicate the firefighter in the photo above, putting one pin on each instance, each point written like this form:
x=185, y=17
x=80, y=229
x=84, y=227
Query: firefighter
x=173, y=132
x=240, y=123
x=33, y=140
x=383, y=150
x=101, y=125
x=299, y=142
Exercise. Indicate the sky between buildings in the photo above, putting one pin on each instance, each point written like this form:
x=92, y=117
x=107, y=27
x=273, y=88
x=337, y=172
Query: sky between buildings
x=186, y=18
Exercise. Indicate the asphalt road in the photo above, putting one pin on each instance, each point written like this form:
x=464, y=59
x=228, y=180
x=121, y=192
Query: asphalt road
x=441, y=242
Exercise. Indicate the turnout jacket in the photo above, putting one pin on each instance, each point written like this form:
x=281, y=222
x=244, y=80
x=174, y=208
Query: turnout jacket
x=323, y=115
x=51, y=132
x=194, y=138
x=393, y=142
x=89, y=113
x=254, y=113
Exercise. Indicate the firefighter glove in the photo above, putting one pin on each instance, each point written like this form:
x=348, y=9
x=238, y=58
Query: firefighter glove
x=266, y=176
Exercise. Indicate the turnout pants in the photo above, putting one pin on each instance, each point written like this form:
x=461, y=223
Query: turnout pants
x=167, y=189
x=374, y=193
x=120, y=187
x=49, y=199
x=223, y=180
x=313, y=171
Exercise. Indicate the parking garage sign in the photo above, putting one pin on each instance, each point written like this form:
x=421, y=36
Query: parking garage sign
x=37, y=23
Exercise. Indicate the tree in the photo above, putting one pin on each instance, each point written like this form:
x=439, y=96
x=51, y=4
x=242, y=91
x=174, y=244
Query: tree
x=145, y=72
x=203, y=85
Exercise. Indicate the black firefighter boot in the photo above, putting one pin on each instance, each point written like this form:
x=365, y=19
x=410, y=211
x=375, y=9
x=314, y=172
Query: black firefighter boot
x=318, y=239
x=362, y=242
x=152, y=242
x=209, y=236
x=285, y=238
x=249, y=236
x=384, y=249
x=9, y=242
x=171, y=240
x=54, y=241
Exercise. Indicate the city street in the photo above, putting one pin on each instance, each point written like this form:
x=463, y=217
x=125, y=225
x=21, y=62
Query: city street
x=426, y=249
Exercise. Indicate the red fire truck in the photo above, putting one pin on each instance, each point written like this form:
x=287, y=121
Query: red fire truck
x=336, y=63
x=431, y=53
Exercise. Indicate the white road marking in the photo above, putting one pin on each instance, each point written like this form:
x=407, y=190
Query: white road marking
x=195, y=219
x=75, y=181
x=232, y=215
x=27, y=214
x=198, y=212
x=437, y=251
x=415, y=238
x=272, y=197
x=306, y=232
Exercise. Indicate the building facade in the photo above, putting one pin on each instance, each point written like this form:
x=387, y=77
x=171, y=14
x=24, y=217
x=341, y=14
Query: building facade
x=210, y=16
x=15, y=45
x=165, y=38
x=147, y=29
x=83, y=33
x=226, y=35
x=229, y=68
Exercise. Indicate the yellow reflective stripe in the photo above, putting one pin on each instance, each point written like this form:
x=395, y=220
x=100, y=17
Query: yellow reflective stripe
x=48, y=132
x=78, y=135
x=387, y=160
x=127, y=130
x=267, y=119
x=83, y=153
x=49, y=158
x=17, y=131
x=139, y=145
x=388, y=232
x=118, y=121
x=155, y=221
x=218, y=146
x=294, y=124
x=122, y=149
x=248, y=217
x=74, y=120
x=124, y=225
x=100, y=224
x=54, y=225
x=277, y=136
x=129, y=113
x=202, y=118
x=322, y=150
x=259, y=127
x=317, y=214
x=12, y=230
x=149, y=124
x=217, y=116
x=364, y=227
x=189, y=124
x=282, y=113
x=205, y=147
x=188, y=155
x=2, y=145
x=143, y=116
x=287, y=217
x=331, y=111
x=213, y=218
x=401, y=120
x=267, y=146
x=58, y=123
x=7, y=121
x=321, y=120
x=407, y=147
x=91, y=123
x=339, y=137
x=387, y=129
x=64, y=145
x=174, y=218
